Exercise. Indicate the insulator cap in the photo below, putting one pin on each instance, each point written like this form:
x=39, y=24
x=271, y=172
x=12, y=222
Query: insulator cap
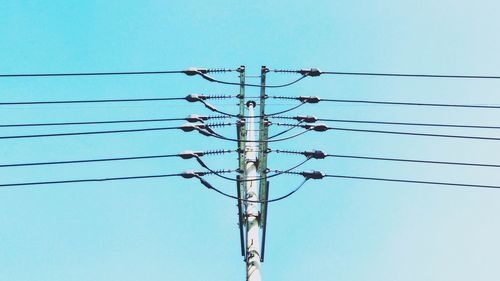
x=307, y=119
x=188, y=154
x=195, y=70
x=313, y=72
x=196, y=118
x=316, y=175
x=317, y=127
x=187, y=127
x=189, y=174
x=251, y=102
x=310, y=99
x=316, y=154
x=195, y=97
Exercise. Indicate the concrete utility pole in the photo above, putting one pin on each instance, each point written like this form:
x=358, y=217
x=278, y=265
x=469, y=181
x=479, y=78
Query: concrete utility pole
x=252, y=209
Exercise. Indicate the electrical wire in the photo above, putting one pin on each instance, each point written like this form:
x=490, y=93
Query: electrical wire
x=408, y=123
x=89, y=180
x=92, y=122
x=93, y=101
x=211, y=79
x=285, y=131
x=214, y=109
x=414, y=134
x=413, y=160
x=93, y=73
x=411, y=75
x=412, y=103
x=203, y=164
x=184, y=155
x=89, y=133
x=413, y=181
x=260, y=201
x=268, y=141
x=87, y=160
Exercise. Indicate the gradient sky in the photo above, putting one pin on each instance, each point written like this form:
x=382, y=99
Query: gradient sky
x=175, y=229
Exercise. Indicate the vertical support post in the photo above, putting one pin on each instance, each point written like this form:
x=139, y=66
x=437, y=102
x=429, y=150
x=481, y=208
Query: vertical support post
x=263, y=136
x=252, y=208
x=241, y=131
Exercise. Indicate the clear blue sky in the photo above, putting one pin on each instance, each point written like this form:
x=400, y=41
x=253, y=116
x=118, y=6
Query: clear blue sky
x=174, y=229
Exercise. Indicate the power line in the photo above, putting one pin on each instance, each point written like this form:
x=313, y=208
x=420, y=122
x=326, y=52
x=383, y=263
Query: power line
x=321, y=128
x=413, y=181
x=414, y=134
x=89, y=133
x=411, y=75
x=320, y=175
x=408, y=123
x=318, y=154
x=88, y=160
x=412, y=103
x=89, y=180
x=93, y=101
x=191, y=118
x=93, y=73
x=92, y=122
x=413, y=160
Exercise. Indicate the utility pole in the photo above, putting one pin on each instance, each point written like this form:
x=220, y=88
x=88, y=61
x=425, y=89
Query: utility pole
x=252, y=208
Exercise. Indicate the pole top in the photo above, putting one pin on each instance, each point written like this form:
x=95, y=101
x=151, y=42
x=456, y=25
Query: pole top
x=252, y=103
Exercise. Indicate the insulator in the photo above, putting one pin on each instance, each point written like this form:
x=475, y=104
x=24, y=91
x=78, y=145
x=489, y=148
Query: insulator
x=219, y=124
x=219, y=97
x=219, y=117
x=218, y=151
x=215, y=70
x=285, y=71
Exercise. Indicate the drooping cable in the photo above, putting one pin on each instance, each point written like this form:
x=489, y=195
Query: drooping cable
x=215, y=109
x=211, y=79
x=204, y=165
x=205, y=133
x=209, y=186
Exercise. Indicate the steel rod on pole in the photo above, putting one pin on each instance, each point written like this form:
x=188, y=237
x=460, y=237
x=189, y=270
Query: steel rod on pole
x=241, y=132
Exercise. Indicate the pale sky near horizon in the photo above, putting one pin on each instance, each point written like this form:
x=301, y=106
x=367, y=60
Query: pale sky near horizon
x=175, y=229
